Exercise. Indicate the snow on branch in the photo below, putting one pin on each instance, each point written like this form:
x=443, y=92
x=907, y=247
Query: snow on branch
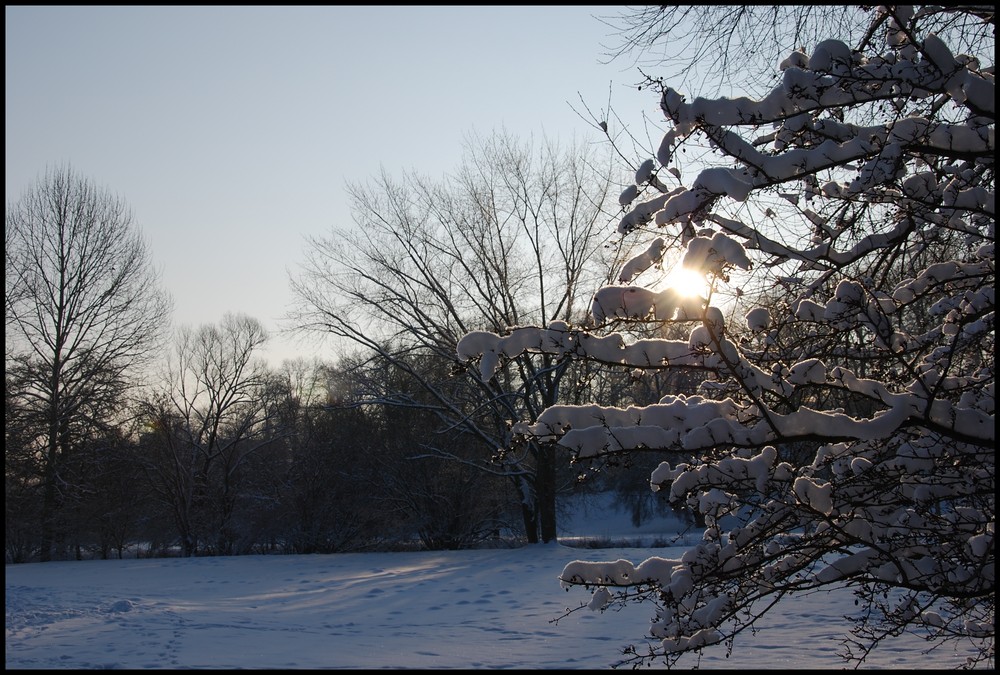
x=841, y=429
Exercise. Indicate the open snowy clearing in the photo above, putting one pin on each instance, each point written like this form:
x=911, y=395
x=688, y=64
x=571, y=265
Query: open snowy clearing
x=459, y=609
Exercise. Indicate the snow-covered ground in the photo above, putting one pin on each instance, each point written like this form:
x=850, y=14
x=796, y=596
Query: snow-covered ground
x=463, y=609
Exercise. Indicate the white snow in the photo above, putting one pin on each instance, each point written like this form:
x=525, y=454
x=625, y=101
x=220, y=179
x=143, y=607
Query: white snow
x=461, y=609
x=640, y=263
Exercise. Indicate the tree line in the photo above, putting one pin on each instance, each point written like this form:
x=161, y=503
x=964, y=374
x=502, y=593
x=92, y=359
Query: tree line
x=125, y=436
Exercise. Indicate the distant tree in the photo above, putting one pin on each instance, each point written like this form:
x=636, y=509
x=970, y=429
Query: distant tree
x=203, y=425
x=106, y=514
x=509, y=239
x=424, y=477
x=84, y=312
x=843, y=432
x=327, y=503
x=315, y=489
x=22, y=483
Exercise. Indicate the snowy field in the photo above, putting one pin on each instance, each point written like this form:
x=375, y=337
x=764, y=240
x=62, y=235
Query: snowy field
x=462, y=609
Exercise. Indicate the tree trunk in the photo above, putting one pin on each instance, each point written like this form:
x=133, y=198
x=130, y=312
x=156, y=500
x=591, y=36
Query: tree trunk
x=545, y=493
x=529, y=508
x=48, y=511
x=530, y=523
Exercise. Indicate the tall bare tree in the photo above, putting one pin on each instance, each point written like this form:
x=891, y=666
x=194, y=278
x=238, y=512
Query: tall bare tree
x=84, y=311
x=509, y=239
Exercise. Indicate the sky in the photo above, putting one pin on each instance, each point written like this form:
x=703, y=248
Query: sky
x=483, y=609
x=232, y=131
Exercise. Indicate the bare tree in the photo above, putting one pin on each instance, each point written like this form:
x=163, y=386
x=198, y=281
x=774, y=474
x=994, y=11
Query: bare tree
x=842, y=433
x=510, y=239
x=425, y=481
x=83, y=313
x=213, y=414
x=315, y=490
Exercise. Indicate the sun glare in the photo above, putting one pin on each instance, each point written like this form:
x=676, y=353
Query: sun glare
x=686, y=282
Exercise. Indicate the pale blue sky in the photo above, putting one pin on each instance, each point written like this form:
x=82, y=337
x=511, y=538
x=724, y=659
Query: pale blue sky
x=232, y=131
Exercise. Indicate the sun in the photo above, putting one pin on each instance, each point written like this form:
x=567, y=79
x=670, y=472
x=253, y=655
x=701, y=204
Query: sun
x=686, y=281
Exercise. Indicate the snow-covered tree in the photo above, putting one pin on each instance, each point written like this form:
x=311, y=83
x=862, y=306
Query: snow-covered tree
x=844, y=429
